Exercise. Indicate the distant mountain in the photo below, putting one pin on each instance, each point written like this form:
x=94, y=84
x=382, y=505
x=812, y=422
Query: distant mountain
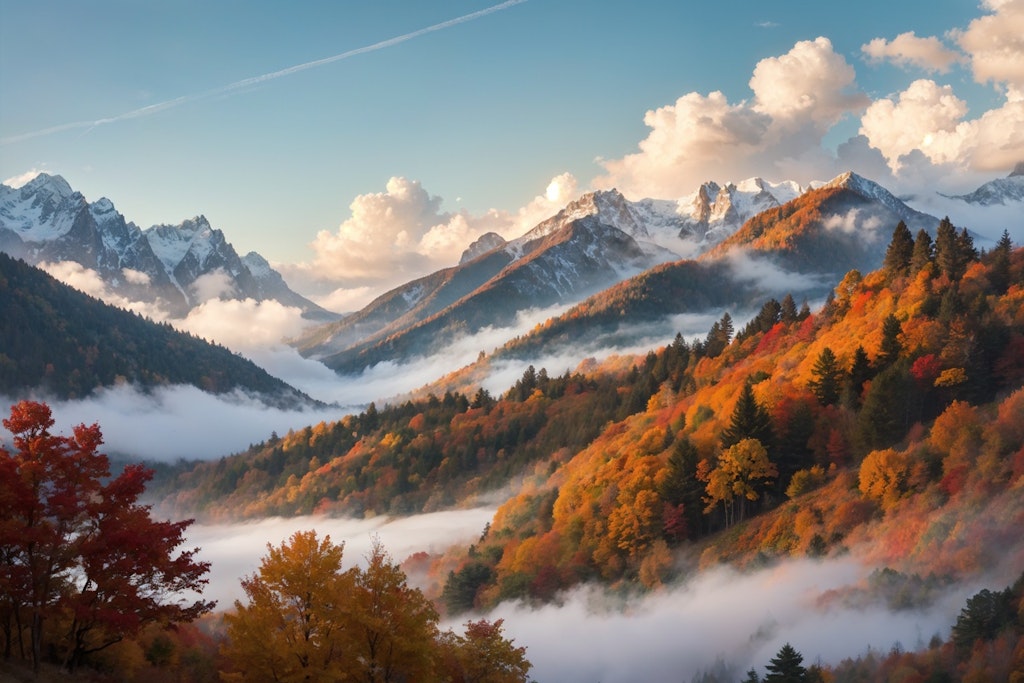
x=598, y=245
x=589, y=245
x=1001, y=191
x=845, y=223
x=809, y=243
x=57, y=341
x=47, y=221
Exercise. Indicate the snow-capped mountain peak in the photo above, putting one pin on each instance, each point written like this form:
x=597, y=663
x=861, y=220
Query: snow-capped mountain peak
x=1001, y=191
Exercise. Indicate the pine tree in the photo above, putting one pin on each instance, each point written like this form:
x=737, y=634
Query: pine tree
x=891, y=347
x=828, y=377
x=999, y=271
x=788, y=312
x=923, y=254
x=900, y=251
x=786, y=667
x=860, y=372
x=953, y=251
x=749, y=421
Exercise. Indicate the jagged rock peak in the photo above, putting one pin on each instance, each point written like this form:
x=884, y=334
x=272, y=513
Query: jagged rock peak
x=483, y=244
x=49, y=184
x=1017, y=171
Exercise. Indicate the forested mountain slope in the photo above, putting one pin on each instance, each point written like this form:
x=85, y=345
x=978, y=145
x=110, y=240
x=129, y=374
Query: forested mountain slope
x=60, y=342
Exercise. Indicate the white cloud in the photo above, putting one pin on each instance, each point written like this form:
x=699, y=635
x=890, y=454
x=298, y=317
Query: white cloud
x=720, y=618
x=243, y=325
x=216, y=284
x=907, y=49
x=853, y=223
x=235, y=550
x=995, y=44
x=748, y=267
x=135, y=277
x=89, y=281
x=797, y=98
x=174, y=422
x=400, y=234
x=22, y=178
x=929, y=118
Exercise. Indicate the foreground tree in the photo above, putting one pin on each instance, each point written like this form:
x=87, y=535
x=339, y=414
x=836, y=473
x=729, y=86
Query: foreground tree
x=786, y=667
x=81, y=553
x=294, y=627
x=308, y=620
x=483, y=655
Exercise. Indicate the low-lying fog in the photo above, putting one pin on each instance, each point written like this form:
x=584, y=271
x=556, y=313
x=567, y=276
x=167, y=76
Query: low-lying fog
x=718, y=619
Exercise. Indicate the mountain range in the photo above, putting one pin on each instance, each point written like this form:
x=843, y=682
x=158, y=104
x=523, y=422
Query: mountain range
x=613, y=264
x=623, y=263
x=175, y=266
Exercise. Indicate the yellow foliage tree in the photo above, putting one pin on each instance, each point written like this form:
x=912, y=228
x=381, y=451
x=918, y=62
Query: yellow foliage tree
x=743, y=470
x=294, y=627
x=883, y=476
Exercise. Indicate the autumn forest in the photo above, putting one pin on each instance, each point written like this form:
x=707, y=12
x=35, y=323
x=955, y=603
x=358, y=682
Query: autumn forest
x=886, y=423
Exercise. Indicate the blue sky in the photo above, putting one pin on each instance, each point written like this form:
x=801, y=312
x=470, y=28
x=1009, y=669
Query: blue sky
x=463, y=128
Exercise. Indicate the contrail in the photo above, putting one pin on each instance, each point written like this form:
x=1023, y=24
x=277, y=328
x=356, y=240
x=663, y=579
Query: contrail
x=257, y=80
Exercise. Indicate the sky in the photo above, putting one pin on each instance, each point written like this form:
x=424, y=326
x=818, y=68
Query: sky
x=360, y=144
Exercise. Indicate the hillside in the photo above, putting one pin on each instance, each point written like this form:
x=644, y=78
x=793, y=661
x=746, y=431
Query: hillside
x=894, y=413
x=57, y=341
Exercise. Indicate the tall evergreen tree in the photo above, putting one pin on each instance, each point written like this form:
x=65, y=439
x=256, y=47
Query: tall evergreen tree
x=786, y=667
x=828, y=378
x=900, y=251
x=787, y=310
x=924, y=252
x=749, y=420
x=953, y=251
x=860, y=372
x=891, y=347
x=999, y=271
x=885, y=416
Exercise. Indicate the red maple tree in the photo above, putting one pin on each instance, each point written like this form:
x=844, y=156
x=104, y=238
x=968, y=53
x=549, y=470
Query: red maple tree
x=77, y=550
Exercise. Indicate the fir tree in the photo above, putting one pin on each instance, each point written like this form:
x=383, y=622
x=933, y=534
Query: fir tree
x=788, y=312
x=749, y=421
x=786, y=667
x=860, y=372
x=923, y=254
x=900, y=251
x=999, y=271
x=828, y=378
x=891, y=347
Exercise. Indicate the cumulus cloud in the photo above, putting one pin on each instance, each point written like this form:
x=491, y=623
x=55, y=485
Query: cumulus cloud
x=243, y=325
x=929, y=118
x=797, y=97
x=928, y=123
x=995, y=45
x=908, y=50
x=402, y=233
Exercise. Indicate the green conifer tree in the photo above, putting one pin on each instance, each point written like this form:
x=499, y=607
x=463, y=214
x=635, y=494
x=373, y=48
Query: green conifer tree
x=786, y=667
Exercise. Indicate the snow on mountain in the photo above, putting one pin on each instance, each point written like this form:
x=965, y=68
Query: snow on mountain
x=43, y=209
x=685, y=226
x=1001, y=191
x=46, y=220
